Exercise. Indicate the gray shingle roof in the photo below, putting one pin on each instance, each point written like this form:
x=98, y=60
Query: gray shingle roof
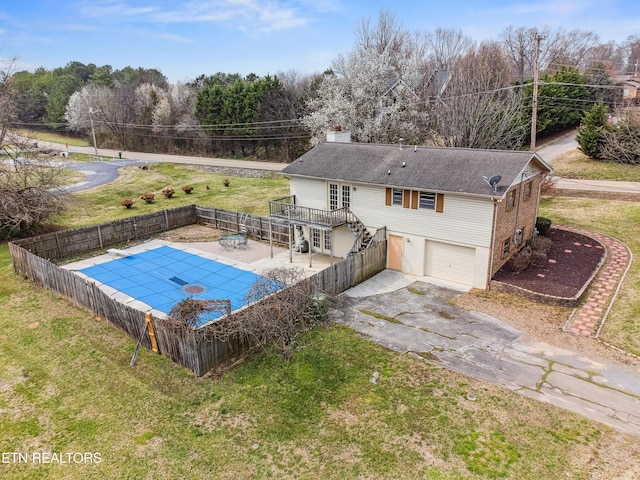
x=427, y=168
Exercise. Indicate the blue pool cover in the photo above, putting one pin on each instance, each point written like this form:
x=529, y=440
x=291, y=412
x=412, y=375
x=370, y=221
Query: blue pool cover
x=164, y=276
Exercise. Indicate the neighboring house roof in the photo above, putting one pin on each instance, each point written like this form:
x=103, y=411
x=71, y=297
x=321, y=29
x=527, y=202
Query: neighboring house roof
x=457, y=170
x=399, y=81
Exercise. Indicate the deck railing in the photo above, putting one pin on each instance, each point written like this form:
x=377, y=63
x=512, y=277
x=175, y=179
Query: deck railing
x=286, y=208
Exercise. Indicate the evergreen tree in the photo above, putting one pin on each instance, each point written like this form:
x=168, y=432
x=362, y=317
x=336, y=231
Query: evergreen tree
x=591, y=134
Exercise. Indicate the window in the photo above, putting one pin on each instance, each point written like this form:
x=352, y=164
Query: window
x=527, y=191
x=339, y=196
x=327, y=239
x=427, y=200
x=506, y=246
x=333, y=196
x=346, y=196
x=315, y=238
x=397, y=196
x=511, y=199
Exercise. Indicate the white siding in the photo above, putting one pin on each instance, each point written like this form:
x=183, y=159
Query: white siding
x=464, y=221
x=309, y=192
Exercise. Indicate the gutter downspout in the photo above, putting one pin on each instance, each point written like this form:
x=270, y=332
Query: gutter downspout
x=515, y=227
x=493, y=243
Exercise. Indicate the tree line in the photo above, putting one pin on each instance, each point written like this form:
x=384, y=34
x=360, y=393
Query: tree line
x=426, y=87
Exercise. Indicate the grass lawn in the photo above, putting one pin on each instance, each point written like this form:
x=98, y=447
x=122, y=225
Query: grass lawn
x=102, y=204
x=54, y=137
x=66, y=386
x=575, y=164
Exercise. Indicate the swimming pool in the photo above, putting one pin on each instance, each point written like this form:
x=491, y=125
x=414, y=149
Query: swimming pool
x=163, y=276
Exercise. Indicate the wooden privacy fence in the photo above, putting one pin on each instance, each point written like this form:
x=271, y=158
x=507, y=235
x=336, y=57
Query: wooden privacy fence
x=58, y=245
x=66, y=243
x=32, y=260
x=258, y=227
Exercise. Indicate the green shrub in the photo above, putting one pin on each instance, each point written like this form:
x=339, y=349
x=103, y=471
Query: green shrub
x=543, y=225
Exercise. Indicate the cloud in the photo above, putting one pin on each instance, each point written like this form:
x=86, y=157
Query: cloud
x=248, y=15
x=112, y=8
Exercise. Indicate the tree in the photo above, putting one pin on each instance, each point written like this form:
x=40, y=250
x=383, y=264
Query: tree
x=288, y=307
x=374, y=91
x=598, y=77
x=478, y=108
x=558, y=49
x=114, y=115
x=631, y=48
x=29, y=183
x=447, y=46
x=31, y=90
x=63, y=86
x=248, y=116
x=561, y=100
x=31, y=187
x=591, y=134
x=622, y=141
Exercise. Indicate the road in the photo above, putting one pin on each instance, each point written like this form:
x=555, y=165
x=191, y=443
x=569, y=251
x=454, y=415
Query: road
x=107, y=172
x=107, y=154
x=551, y=152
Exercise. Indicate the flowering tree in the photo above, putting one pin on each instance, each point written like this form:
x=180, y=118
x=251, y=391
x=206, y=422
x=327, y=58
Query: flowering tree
x=372, y=91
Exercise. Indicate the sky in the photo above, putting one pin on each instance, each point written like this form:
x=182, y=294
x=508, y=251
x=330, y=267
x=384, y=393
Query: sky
x=185, y=39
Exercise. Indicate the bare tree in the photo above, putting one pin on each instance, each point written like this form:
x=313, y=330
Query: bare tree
x=29, y=182
x=288, y=306
x=387, y=35
x=31, y=186
x=631, y=49
x=558, y=48
x=609, y=55
x=479, y=108
x=8, y=110
x=621, y=143
x=446, y=46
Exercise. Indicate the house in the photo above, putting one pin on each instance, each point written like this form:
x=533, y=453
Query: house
x=631, y=90
x=450, y=213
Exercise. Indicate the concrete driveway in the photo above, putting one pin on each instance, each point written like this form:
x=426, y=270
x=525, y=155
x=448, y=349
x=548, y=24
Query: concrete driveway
x=412, y=315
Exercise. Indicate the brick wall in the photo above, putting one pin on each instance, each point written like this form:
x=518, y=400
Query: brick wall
x=525, y=209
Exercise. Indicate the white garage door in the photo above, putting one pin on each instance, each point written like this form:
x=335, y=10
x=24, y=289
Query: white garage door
x=450, y=262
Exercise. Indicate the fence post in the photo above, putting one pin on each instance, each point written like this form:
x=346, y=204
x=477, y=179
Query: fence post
x=152, y=333
x=58, y=252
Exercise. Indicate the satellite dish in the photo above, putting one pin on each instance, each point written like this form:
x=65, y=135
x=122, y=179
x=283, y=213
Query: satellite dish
x=493, y=181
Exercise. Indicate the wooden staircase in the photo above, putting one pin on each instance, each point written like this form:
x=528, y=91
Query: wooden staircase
x=363, y=236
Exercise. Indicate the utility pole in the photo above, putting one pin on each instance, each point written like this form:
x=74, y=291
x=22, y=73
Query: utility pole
x=534, y=112
x=93, y=131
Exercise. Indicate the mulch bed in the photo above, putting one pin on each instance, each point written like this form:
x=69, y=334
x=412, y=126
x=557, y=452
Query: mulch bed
x=572, y=260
